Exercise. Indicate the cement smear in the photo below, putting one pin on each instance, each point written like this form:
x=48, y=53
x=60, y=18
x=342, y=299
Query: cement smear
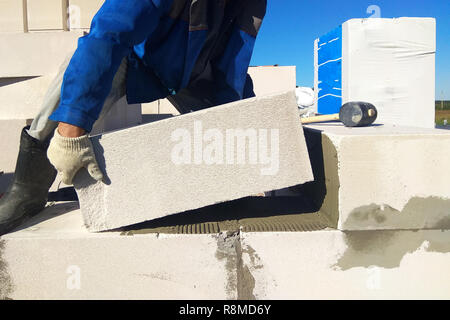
x=430, y=213
x=226, y=250
x=240, y=281
x=324, y=190
x=6, y=286
x=386, y=248
x=245, y=280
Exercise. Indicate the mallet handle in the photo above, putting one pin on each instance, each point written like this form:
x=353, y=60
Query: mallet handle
x=324, y=118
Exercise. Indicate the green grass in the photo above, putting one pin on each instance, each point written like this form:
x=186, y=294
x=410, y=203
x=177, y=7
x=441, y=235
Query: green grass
x=442, y=115
x=445, y=103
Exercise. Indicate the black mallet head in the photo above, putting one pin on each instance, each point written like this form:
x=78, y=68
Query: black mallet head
x=358, y=114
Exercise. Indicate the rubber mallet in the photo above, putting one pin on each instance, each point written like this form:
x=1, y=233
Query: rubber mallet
x=352, y=114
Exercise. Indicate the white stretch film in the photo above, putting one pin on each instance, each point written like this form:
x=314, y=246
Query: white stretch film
x=391, y=63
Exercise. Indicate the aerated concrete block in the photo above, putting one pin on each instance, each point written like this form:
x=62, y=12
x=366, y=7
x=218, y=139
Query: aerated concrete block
x=71, y=263
x=82, y=11
x=380, y=177
x=68, y=262
x=11, y=16
x=122, y=115
x=10, y=131
x=45, y=15
x=49, y=50
x=195, y=160
x=272, y=79
x=332, y=264
x=22, y=97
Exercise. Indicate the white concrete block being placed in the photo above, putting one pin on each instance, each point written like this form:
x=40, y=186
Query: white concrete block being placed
x=380, y=177
x=195, y=160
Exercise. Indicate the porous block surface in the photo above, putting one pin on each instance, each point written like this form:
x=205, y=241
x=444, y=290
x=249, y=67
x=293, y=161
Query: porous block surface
x=332, y=264
x=22, y=97
x=53, y=256
x=49, y=50
x=381, y=177
x=195, y=160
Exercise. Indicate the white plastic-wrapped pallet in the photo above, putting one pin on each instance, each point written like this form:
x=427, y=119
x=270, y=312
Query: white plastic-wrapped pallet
x=387, y=62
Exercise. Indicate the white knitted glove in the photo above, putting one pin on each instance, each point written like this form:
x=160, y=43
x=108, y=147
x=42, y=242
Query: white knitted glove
x=68, y=155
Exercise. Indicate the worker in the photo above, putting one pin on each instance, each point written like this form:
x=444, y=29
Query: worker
x=194, y=52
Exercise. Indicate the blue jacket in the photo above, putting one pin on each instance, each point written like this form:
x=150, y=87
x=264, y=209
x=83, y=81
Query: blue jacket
x=200, y=46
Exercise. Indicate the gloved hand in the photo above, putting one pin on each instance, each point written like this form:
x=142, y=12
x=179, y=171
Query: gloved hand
x=68, y=155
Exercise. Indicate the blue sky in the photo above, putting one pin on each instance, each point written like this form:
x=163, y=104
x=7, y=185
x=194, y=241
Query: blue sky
x=290, y=27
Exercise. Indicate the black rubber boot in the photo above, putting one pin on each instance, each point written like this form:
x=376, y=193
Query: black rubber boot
x=27, y=194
